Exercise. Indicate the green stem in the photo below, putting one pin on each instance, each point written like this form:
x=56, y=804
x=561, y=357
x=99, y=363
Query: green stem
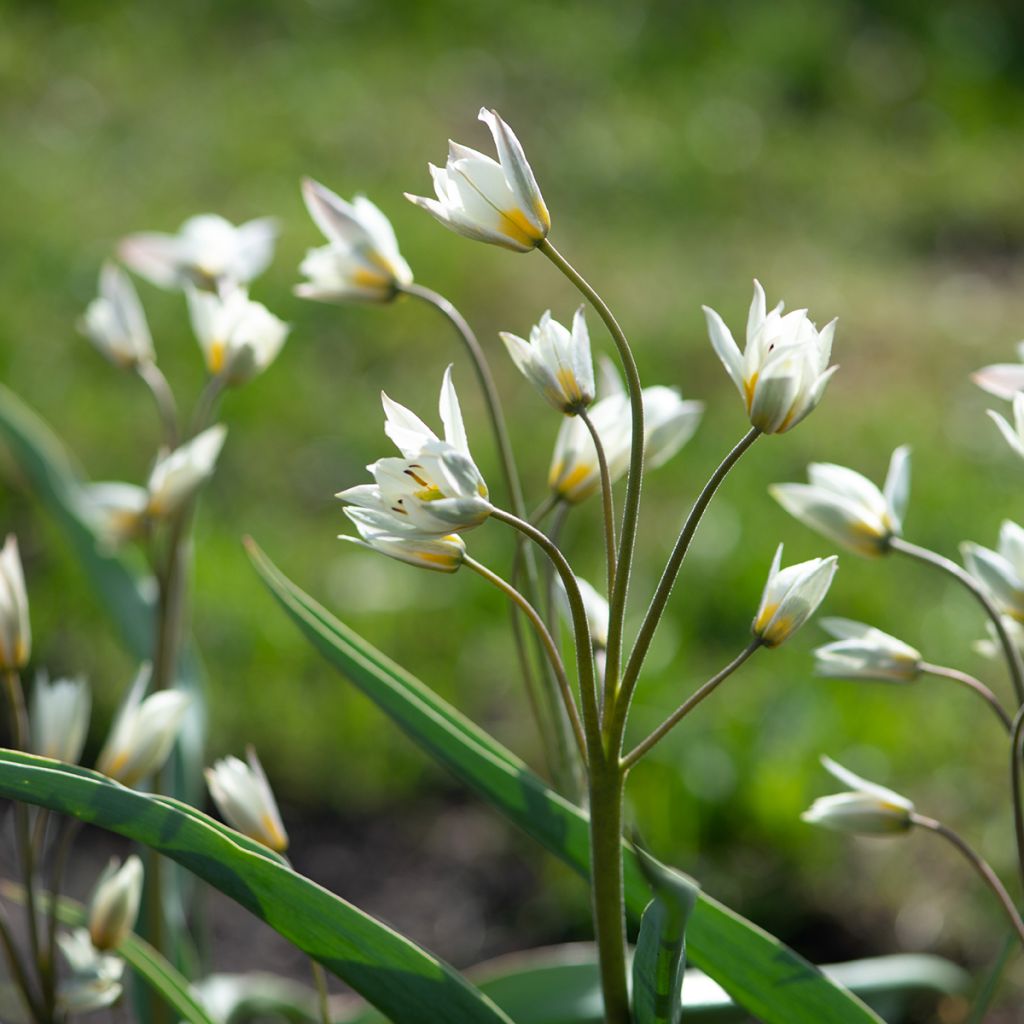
x=607, y=783
x=948, y=566
x=17, y=971
x=207, y=404
x=688, y=705
x=323, y=998
x=607, y=500
x=70, y=828
x=152, y=376
x=631, y=505
x=659, y=601
x=980, y=865
x=581, y=627
x=550, y=647
x=1016, y=755
x=974, y=684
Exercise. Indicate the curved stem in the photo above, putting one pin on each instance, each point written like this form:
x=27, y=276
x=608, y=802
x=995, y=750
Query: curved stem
x=688, y=705
x=661, y=595
x=581, y=628
x=631, y=505
x=979, y=864
x=487, y=386
x=947, y=565
x=207, y=404
x=974, y=684
x=152, y=376
x=550, y=647
x=606, y=498
x=1016, y=755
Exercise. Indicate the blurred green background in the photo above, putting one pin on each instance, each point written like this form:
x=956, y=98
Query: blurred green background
x=862, y=159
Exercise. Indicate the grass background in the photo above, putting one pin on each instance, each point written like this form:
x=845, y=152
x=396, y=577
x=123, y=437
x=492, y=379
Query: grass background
x=861, y=159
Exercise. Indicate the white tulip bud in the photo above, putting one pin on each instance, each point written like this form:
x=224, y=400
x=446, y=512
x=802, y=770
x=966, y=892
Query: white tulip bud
x=245, y=800
x=115, y=903
x=868, y=809
x=15, y=630
x=791, y=596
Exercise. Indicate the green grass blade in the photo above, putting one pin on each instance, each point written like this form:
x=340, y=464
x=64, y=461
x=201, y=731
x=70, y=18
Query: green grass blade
x=756, y=969
x=405, y=982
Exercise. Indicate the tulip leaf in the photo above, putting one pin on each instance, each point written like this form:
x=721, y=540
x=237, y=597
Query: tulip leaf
x=775, y=984
x=402, y=980
x=146, y=961
x=660, y=956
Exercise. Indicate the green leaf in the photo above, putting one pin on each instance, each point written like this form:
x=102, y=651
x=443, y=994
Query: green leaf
x=660, y=956
x=137, y=953
x=759, y=972
x=404, y=981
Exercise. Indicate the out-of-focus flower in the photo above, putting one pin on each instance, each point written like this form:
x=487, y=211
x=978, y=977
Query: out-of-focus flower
x=863, y=652
x=868, y=809
x=178, y=475
x=207, y=251
x=117, y=511
x=556, y=361
x=1004, y=380
x=435, y=488
x=594, y=605
x=239, y=338
x=669, y=422
x=143, y=732
x=1000, y=572
x=115, y=322
x=387, y=534
x=244, y=798
x=362, y=260
x=494, y=201
x=15, y=630
x=1014, y=434
x=59, y=717
x=782, y=373
x=95, y=980
x=115, y=903
x=990, y=645
x=791, y=596
x=847, y=507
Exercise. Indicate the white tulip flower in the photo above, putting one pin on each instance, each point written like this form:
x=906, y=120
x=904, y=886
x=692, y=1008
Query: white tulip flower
x=494, y=201
x=245, y=800
x=362, y=260
x=1004, y=380
x=115, y=903
x=15, y=629
x=59, y=717
x=596, y=607
x=847, y=507
x=1014, y=434
x=177, y=476
x=435, y=488
x=1000, y=572
x=385, y=533
x=143, y=732
x=791, y=596
x=669, y=422
x=117, y=511
x=95, y=980
x=868, y=809
x=782, y=373
x=239, y=338
x=207, y=251
x=863, y=652
x=115, y=321
x=556, y=361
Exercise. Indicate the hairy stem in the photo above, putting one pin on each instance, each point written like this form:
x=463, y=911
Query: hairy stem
x=688, y=705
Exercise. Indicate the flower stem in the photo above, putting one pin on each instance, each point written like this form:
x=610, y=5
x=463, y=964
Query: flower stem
x=688, y=705
x=322, y=995
x=550, y=647
x=207, y=404
x=979, y=864
x=607, y=500
x=631, y=505
x=974, y=684
x=661, y=595
x=947, y=565
x=1016, y=756
x=152, y=376
x=17, y=971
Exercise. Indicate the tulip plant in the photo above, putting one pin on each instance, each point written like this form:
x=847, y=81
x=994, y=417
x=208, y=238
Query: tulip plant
x=421, y=508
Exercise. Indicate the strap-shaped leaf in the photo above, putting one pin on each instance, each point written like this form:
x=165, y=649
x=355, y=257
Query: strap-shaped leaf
x=405, y=982
x=660, y=956
x=775, y=984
